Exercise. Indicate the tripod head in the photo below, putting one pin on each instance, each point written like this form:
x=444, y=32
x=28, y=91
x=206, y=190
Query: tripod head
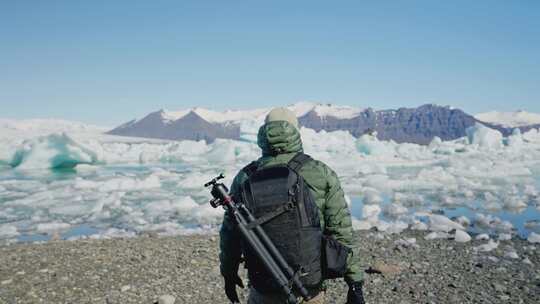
x=214, y=180
x=219, y=192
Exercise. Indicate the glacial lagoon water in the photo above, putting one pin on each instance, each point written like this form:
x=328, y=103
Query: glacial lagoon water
x=125, y=200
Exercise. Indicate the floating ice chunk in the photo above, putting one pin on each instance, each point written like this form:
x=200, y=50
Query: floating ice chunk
x=504, y=236
x=437, y=235
x=81, y=184
x=461, y=236
x=437, y=175
x=8, y=231
x=371, y=196
x=516, y=139
x=7, y=150
x=223, y=151
x=532, y=223
x=395, y=210
x=370, y=211
x=409, y=200
x=489, y=197
x=396, y=227
x=52, y=227
x=370, y=145
x=487, y=247
x=530, y=190
x=159, y=208
x=371, y=168
x=483, y=220
x=377, y=183
x=514, y=203
x=128, y=183
x=418, y=225
x=442, y=223
x=504, y=226
x=195, y=179
x=493, y=222
x=361, y=224
x=186, y=209
x=533, y=237
x=435, y=142
x=463, y=221
x=482, y=237
x=329, y=143
x=53, y=151
x=206, y=214
x=533, y=135
x=484, y=137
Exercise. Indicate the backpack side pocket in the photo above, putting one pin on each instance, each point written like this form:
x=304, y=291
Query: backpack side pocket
x=334, y=258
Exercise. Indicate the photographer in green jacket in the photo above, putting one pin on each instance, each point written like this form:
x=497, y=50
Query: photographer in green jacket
x=279, y=140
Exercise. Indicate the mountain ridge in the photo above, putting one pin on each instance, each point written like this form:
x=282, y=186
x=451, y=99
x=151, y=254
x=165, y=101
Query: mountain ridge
x=415, y=125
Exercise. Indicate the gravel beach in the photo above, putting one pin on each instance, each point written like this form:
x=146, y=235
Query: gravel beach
x=145, y=268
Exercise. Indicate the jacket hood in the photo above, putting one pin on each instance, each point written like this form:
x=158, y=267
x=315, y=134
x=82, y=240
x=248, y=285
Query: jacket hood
x=279, y=137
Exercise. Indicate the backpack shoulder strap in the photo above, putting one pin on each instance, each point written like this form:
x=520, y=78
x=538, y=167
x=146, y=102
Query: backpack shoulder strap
x=251, y=168
x=298, y=161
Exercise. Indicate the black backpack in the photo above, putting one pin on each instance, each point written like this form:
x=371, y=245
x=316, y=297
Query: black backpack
x=281, y=201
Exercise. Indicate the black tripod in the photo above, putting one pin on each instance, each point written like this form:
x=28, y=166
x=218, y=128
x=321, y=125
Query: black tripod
x=259, y=241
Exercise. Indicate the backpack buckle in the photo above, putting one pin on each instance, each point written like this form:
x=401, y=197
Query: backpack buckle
x=289, y=206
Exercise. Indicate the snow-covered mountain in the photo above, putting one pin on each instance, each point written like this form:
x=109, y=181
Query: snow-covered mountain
x=300, y=109
x=175, y=126
x=510, y=119
x=200, y=123
x=415, y=125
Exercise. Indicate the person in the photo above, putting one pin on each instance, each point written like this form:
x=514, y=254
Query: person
x=279, y=140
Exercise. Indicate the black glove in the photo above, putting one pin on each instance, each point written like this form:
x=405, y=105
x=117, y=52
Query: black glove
x=355, y=294
x=230, y=287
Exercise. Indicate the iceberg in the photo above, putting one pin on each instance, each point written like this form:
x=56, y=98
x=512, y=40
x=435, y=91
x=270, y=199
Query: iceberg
x=53, y=151
x=442, y=223
x=484, y=137
x=516, y=139
x=369, y=145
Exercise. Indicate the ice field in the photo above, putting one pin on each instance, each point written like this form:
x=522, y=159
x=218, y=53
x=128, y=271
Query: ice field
x=68, y=180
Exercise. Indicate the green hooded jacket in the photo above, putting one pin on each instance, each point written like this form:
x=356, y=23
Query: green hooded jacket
x=280, y=141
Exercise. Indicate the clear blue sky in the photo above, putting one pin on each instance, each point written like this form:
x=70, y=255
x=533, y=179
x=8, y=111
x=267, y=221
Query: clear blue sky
x=107, y=62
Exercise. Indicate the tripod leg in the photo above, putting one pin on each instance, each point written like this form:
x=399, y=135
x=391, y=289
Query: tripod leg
x=277, y=255
x=265, y=256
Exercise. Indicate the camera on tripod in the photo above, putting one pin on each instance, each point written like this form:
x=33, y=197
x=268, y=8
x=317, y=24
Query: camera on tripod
x=219, y=191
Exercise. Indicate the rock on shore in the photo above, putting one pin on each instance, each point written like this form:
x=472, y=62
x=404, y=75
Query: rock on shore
x=149, y=269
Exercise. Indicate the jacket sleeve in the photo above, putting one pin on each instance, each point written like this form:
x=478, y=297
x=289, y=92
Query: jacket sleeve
x=339, y=224
x=229, y=237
